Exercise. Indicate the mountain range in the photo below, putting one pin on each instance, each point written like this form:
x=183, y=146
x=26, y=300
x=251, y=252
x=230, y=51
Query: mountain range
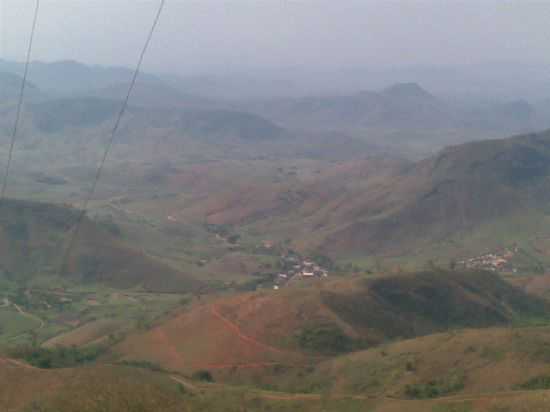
x=381, y=249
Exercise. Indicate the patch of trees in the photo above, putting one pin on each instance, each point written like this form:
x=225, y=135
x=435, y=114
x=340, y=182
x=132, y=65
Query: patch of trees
x=90, y=267
x=323, y=261
x=110, y=226
x=60, y=217
x=437, y=387
x=536, y=383
x=233, y=239
x=260, y=279
x=18, y=231
x=325, y=339
x=154, y=367
x=203, y=376
x=59, y=357
x=222, y=230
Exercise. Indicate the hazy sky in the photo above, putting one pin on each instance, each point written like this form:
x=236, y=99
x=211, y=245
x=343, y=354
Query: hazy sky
x=208, y=35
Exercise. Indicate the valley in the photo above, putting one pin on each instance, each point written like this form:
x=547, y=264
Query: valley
x=381, y=251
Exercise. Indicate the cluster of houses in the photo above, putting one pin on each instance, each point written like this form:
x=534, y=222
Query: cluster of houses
x=495, y=261
x=294, y=266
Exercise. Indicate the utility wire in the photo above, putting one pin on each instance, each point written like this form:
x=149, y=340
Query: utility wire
x=110, y=142
x=19, y=103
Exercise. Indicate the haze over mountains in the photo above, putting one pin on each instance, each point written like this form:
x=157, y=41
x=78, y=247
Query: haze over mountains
x=374, y=205
x=452, y=191
x=304, y=206
x=383, y=114
x=400, y=106
x=369, y=245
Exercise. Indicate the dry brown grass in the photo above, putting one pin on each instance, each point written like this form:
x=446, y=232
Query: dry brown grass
x=121, y=389
x=491, y=360
x=257, y=334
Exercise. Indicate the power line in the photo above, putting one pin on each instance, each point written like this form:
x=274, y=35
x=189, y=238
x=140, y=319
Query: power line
x=111, y=140
x=20, y=102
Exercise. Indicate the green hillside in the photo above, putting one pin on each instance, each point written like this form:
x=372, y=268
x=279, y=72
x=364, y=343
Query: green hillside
x=426, y=302
x=34, y=235
x=458, y=193
x=81, y=112
x=10, y=87
x=56, y=115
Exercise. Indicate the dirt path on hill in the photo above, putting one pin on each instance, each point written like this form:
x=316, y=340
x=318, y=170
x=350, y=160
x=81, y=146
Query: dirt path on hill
x=17, y=363
x=160, y=339
x=237, y=331
x=7, y=303
x=129, y=213
x=232, y=326
x=28, y=315
x=186, y=384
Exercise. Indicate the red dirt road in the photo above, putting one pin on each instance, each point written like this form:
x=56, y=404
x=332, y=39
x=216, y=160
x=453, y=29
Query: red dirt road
x=237, y=331
x=247, y=340
x=17, y=363
x=232, y=349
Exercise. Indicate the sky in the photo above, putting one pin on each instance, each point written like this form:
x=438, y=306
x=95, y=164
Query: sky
x=208, y=36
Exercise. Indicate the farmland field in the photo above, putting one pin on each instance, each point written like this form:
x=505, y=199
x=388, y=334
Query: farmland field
x=15, y=325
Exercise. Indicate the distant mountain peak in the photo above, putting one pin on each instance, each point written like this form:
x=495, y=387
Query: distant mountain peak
x=10, y=87
x=406, y=90
x=12, y=79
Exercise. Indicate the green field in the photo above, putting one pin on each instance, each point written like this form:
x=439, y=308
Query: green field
x=55, y=312
x=14, y=326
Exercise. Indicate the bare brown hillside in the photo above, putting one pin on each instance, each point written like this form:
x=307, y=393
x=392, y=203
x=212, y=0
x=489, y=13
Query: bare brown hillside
x=295, y=326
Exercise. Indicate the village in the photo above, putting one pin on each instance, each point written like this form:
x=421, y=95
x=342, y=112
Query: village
x=293, y=267
x=499, y=260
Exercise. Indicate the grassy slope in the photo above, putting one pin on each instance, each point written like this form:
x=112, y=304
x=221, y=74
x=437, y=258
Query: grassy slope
x=259, y=334
x=121, y=389
x=464, y=201
x=409, y=305
x=61, y=313
x=14, y=324
x=484, y=360
x=34, y=235
x=89, y=333
x=453, y=193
